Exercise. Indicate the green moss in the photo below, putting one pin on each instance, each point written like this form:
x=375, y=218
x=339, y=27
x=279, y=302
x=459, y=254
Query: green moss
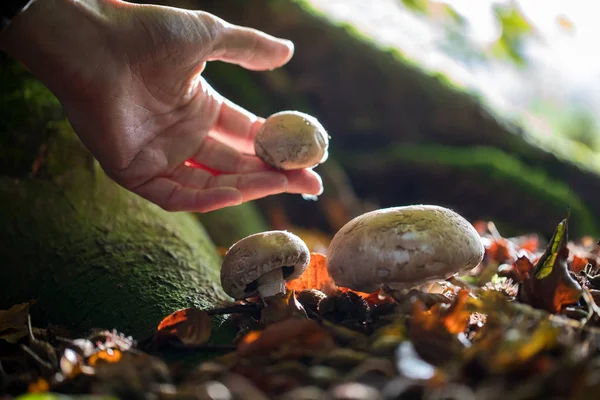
x=92, y=254
x=95, y=255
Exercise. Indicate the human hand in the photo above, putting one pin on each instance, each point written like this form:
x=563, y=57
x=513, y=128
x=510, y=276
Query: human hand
x=128, y=77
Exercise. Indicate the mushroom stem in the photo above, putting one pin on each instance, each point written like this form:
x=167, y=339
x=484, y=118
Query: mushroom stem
x=271, y=283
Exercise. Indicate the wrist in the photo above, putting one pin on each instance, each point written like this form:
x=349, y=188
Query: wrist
x=55, y=39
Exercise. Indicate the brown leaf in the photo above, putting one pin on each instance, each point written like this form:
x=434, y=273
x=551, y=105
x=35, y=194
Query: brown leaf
x=13, y=322
x=524, y=268
x=282, y=306
x=551, y=286
x=293, y=332
x=429, y=335
x=191, y=326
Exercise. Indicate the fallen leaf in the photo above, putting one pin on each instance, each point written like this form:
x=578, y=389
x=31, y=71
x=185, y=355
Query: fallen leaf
x=499, y=250
x=191, y=326
x=251, y=336
x=578, y=263
x=13, y=322
x=524, y=268
x=456, y=318
x=519, y=346
x=282, y=306
x=39, y=386
x=108, y=355
x=431, y=338
x=294, y=332
x=314, y=277
x=551, y=287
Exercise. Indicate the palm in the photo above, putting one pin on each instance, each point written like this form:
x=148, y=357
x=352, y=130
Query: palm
x=160, y=113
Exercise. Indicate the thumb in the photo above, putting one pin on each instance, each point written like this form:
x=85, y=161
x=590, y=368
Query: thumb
x=250, y=48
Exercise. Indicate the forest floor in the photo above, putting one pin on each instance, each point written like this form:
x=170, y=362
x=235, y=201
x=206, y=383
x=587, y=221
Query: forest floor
x=524, y=324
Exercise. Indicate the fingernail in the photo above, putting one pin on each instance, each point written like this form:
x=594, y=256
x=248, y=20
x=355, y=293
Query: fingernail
x=291, y=47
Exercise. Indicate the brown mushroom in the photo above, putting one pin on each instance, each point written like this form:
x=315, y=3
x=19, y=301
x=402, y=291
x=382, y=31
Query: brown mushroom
x=292, y=140
x=402, y=247
x=262, y=263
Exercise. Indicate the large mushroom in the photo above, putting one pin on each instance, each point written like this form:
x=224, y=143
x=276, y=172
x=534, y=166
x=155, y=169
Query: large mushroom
x=262, y=263
x=402, y=247
x=291, y=140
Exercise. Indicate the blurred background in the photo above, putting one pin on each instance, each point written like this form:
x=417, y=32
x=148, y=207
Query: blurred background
x=486, y=107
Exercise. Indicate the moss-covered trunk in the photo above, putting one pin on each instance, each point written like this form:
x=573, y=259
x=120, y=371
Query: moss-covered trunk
x=90, y=253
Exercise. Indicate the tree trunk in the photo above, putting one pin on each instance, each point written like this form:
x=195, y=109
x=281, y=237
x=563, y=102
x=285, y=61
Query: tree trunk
x=90, y=253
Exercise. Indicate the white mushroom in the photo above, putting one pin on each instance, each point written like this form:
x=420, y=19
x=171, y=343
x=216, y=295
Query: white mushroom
x=402, y=247
x=262, y=263
x=292, y=140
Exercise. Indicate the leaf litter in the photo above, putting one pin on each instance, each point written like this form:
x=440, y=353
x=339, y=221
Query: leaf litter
x=524, y=324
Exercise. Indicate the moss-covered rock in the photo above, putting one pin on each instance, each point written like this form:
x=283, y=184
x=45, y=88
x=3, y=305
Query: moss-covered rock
x=91, y=253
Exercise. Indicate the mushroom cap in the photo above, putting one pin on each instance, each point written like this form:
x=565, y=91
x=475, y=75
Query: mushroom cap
x=257, y=254
x=292, y=140
x=402, y=247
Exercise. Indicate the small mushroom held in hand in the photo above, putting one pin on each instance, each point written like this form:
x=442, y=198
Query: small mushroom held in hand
x=290, y=140
x=402, y=247
x=262, y=263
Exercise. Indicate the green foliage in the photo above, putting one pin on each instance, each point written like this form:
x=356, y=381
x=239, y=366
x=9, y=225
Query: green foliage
x=417, y=6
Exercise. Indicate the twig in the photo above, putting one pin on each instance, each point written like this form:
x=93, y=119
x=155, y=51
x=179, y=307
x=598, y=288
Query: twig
x=238, y=308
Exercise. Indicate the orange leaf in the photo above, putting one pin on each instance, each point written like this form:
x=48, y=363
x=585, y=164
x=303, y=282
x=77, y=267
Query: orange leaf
x=191, y=325
x=499, y=251
x=578, y=263
x=314, y=277
x=39, y=386
x=457, y=318
x=108, y=355
x=251, y=336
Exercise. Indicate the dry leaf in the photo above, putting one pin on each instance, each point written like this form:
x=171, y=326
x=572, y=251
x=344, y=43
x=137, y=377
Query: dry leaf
x=524, y=269
x=551, y=286
x=302, y=334
x=108, y=355
x=191, y=326
x=13, y=322
x=314, y=277
x=456, y=318
x=39, y=386
x=282, y=306
x=578, y=263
